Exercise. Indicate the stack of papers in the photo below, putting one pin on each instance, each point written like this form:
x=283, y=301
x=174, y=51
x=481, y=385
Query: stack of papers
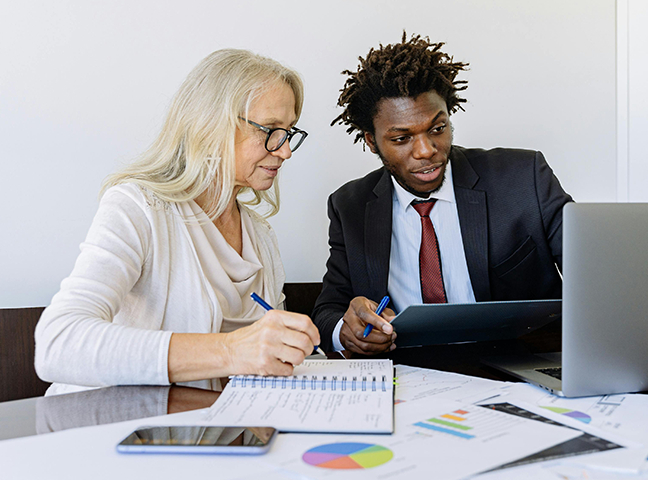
x=445, y=426
x=434, y=438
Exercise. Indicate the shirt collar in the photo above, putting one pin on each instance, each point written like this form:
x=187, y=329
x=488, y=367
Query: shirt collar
x=445, y=193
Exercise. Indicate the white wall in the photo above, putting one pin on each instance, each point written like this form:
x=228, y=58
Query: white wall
x=84, y=85
x=637, y=101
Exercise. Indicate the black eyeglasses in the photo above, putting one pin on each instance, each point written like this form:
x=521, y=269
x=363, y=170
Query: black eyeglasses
x=278, y=136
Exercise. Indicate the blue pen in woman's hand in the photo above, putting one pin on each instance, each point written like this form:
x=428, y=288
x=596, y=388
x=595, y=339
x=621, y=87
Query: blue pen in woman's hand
x=381, y=306
x=261, y=301
x=267, y=307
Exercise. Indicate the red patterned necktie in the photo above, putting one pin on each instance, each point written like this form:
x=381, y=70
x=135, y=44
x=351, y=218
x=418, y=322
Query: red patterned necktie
x=429, y=260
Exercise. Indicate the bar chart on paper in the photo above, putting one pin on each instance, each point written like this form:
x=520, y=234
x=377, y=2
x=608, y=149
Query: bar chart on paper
x=433, y=438
x=468, y=424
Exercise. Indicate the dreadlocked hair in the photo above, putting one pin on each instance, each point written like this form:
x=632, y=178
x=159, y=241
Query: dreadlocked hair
x=404, y=69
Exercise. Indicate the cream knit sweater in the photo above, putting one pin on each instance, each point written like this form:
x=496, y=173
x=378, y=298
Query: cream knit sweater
x=139, y=277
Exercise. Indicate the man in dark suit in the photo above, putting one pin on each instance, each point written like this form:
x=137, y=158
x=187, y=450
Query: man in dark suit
x=438, y=222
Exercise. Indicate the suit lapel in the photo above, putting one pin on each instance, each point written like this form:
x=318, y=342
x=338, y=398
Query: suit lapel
x=471, y=206
x=377, y=240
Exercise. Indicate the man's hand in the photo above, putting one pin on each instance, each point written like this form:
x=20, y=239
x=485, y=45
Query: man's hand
x=361, y=312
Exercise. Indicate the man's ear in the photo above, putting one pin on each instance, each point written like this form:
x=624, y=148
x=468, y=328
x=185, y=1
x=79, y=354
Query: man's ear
x=371, y=142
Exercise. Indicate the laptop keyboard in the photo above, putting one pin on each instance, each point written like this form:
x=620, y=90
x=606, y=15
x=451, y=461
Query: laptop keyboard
x=555, y=372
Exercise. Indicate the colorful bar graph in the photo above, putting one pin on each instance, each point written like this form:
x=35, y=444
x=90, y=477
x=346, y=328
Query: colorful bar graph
x=450, y=416
x=449, y=424
x=444, y=430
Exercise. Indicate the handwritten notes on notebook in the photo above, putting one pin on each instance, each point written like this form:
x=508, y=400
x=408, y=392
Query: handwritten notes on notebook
x=349, y=396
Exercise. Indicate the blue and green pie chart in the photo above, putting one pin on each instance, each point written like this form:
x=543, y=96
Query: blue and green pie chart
x=575, y=414
x=347, y=456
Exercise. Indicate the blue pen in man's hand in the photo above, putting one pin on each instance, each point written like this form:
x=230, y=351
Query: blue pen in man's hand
x=381, y=306
x=265, y=305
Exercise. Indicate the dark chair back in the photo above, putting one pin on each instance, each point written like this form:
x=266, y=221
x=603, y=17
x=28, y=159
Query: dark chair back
x=18, y=378
x=301, y=297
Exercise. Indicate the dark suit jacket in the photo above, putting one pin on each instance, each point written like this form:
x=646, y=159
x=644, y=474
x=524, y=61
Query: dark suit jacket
x=510, y=213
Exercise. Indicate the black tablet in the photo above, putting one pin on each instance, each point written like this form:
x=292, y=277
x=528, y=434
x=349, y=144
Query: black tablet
x=442, y=323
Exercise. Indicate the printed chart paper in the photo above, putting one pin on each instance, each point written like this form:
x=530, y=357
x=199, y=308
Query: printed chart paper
x=434, y=438
x=413, y=383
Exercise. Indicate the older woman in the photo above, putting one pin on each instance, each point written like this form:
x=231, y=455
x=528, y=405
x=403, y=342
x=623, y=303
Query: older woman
x=160, y=292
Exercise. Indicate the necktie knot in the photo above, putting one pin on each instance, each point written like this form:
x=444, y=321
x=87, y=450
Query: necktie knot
x=425, y=207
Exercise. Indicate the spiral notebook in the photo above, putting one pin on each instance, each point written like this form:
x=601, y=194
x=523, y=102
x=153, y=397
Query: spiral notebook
x=333, y=396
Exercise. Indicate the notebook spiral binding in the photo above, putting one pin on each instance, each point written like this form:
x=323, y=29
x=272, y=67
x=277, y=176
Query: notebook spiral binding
x=304, y=382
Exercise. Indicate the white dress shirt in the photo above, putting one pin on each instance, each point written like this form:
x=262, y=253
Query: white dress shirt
x=404, y=284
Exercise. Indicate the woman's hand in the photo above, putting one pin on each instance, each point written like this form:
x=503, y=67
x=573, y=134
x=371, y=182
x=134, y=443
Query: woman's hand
x=271, y=345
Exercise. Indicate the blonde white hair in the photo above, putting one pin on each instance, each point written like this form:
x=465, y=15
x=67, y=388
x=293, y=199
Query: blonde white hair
x=194, y=152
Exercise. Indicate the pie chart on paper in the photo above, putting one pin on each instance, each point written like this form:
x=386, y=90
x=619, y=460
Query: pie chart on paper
x=348, y=456
x=575, y=414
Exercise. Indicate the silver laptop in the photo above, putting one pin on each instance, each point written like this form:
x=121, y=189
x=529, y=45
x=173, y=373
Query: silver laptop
x=605, y=306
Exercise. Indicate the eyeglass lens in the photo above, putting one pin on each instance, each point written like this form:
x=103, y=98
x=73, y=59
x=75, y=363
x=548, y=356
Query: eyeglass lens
x=278, y=137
